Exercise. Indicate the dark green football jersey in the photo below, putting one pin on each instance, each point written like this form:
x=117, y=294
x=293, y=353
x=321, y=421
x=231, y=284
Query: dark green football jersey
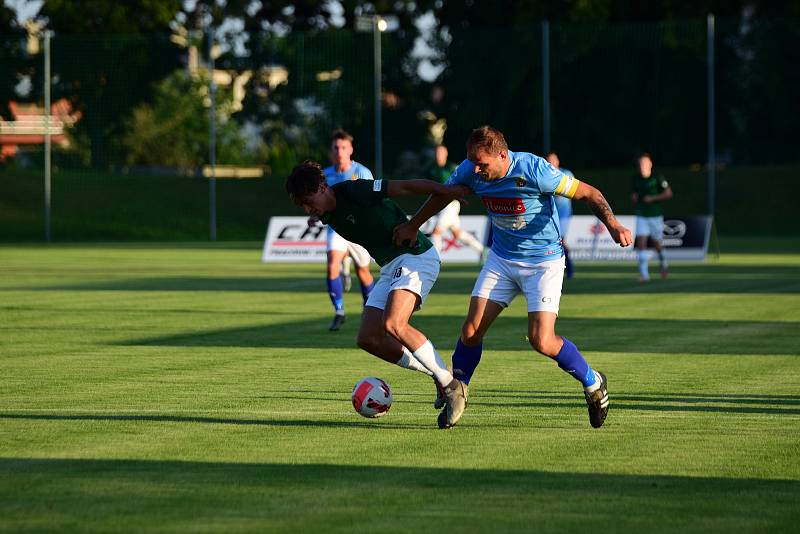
x=441, y=174
x=365, y=215
x=649, y=186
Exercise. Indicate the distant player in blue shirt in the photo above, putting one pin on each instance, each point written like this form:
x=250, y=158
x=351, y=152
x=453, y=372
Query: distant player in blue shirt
x=338, y=248
x=564, y=209
x=518, y=190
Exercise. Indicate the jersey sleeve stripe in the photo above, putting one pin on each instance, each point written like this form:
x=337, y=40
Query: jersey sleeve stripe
x=567, y=186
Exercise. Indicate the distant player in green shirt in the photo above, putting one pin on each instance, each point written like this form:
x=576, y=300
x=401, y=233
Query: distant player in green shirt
x=448, y=218
x=362, y=212
x=649, y=191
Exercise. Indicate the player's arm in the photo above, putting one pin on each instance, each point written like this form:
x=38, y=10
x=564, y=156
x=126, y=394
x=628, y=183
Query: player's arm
x=440, y=197
x=666, y=194
x=593, y=198
x=401, y=188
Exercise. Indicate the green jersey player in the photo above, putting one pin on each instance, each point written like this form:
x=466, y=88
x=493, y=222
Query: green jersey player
x=362, y=212
x=648, y=192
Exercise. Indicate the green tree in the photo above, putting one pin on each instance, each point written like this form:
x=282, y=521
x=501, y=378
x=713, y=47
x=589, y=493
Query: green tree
x=12, y=57
x=106, y=54
x=173, y=130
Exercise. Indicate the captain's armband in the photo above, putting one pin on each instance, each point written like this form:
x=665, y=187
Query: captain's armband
x=567, y=186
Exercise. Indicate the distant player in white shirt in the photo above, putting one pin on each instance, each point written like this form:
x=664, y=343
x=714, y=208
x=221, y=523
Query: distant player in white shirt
x=448, y=218
x=518, y=189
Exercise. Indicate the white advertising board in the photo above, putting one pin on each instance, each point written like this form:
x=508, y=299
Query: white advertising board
x=289, y=239
x=685, y=238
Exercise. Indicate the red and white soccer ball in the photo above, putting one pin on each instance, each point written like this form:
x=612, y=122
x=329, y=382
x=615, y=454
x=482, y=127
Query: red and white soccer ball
x=372, y=397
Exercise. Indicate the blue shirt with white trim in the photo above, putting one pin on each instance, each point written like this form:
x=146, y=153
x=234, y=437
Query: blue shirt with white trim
x=356, y=171
x=521, y=206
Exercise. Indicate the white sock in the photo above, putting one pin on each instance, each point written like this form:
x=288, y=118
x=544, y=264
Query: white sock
x=408, y=361
x=594, y=387
x=469, y=240
x=643, y=257
x=437, y=242
x=427, y=356
x=347, y=262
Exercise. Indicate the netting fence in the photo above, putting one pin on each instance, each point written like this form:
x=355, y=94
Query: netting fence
x=130, y=123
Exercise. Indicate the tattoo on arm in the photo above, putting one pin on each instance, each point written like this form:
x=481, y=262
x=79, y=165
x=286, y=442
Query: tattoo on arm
x=601, y=209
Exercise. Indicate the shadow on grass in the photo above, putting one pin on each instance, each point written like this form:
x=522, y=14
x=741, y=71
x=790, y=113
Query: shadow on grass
x=313, y=423
x=664, y=336
x=119, y=495
x=459, y=279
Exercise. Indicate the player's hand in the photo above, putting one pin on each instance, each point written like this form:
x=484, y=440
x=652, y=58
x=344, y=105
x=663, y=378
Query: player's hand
x=621, y=235
x=405, y=235
x=312, y=221
x=647, y=199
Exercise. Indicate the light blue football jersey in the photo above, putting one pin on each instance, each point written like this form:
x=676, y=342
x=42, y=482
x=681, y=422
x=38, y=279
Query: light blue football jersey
x=521, y=206
x=356, y=172
x=564, y=204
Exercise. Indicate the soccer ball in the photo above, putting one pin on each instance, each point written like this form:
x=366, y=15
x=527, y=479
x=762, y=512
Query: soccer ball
x=372, y=397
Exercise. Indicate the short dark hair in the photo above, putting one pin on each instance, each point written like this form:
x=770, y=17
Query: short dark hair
x=338, y=133
x=486, y=138
x=304, y=180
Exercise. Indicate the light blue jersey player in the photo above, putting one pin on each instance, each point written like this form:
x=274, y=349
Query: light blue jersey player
x=338, y=249
x=564, y=209
x=518, y=190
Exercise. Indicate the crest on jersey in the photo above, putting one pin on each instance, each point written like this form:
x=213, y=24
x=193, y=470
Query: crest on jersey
x=354, y=177
x=520, y=181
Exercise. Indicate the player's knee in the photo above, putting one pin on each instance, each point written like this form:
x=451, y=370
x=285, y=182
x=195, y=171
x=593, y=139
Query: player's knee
x=368, y=342
x=470, y=335
x=543, y=344
x=394, y=326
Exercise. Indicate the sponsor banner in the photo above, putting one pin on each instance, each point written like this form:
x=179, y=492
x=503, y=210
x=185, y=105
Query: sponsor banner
x=289, y=239
x=685, y=238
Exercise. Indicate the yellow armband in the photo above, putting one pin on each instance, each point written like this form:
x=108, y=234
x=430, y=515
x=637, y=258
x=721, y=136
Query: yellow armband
x=567, y=186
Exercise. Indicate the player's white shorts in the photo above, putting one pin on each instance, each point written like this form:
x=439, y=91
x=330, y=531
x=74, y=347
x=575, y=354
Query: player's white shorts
x=650, y=226
x=501, y=280
x=357, y=252
x=448, y=217
x=414, y=273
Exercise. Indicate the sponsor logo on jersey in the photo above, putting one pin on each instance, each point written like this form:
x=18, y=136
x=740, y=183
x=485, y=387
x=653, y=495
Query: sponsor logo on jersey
x=520, y=181
x=505, y=206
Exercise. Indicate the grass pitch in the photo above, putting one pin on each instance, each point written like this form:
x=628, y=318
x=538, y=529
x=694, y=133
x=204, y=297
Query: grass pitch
x=190, y=388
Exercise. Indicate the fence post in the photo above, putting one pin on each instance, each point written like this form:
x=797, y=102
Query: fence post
x=47, y=139
x=712, y=154
x=546, y=85
x=212, y=139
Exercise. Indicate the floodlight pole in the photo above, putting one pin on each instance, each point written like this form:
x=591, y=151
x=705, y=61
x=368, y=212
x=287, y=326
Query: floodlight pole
x=47, y=139
x=712, y=154
x=376, y=52
x=212, y=139
x=546, y=85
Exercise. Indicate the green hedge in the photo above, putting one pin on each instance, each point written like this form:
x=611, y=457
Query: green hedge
x=97, y=206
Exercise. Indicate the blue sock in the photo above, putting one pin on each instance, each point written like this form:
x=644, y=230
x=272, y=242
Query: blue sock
x=335, y=291
x=570, y=360
x=465, y=360
x=366, y=290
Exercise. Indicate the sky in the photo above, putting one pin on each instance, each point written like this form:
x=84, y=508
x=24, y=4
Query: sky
x=26, y=9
